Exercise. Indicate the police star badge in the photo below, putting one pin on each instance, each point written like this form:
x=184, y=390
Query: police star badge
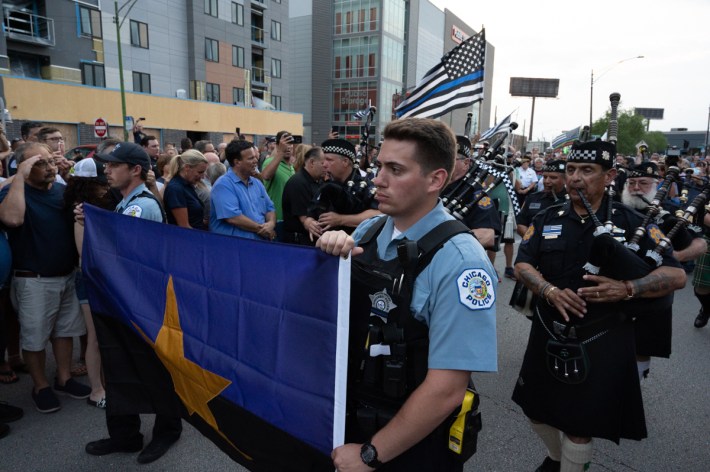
x=382, y=304
x=605, y=155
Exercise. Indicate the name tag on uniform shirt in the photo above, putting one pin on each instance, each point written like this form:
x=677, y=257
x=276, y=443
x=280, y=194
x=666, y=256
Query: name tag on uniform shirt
x=618, y=234
x=535, y=206
x=551, y=231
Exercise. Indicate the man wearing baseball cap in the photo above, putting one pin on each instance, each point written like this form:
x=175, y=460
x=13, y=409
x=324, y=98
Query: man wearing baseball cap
x=126, y=169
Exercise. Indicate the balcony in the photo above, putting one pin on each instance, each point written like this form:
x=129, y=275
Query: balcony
x=258, y=4
x=258, y=37
x=28, y=28
x=258, y=76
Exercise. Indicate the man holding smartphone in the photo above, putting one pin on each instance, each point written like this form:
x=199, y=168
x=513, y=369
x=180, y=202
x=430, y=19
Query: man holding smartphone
x=276, y=171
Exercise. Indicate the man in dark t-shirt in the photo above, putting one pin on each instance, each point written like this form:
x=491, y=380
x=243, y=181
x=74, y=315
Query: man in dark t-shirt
x=44, y=255
x=297, y=196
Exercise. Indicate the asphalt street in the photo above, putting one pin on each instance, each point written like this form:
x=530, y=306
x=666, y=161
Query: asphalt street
x=676, y=401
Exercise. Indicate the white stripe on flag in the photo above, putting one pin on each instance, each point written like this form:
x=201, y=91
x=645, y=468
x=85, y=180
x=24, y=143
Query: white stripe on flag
x=341, y=352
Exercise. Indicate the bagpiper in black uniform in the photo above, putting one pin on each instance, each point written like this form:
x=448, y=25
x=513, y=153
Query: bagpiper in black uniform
x=552, y=194
x=579, y=372
x=483, y=216
x=654, y=327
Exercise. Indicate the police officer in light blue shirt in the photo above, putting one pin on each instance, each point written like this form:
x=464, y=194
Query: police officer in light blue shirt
x=453, y=297
x=460, y=323
x=126, y=169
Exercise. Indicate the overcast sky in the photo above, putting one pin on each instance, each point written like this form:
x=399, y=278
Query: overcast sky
x=568, y=39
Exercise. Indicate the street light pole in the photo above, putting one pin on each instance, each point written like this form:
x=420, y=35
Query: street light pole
x=591, y=100
x=592, y=82
x=119, y=23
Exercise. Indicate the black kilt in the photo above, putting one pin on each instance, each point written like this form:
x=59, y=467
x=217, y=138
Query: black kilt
x=606, y=405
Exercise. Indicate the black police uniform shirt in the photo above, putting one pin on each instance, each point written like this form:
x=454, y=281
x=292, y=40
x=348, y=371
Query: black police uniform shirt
x=558, y=244
x=535, y=203
x=297, y=196
x=560, y=257
x=481, y=215
x=357, y=197
x=654, y=327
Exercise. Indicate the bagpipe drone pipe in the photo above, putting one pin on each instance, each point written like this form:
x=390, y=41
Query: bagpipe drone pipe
x=609, y=257
x=365, y=147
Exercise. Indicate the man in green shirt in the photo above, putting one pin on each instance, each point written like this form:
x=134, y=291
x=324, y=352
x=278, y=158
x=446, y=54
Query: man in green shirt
x=277, y=170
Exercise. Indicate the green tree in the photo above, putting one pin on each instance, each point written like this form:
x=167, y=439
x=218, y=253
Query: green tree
x=656, y=142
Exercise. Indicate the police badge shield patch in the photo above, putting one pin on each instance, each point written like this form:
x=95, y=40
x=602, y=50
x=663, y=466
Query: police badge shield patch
x=382, y=304
x=476, y=289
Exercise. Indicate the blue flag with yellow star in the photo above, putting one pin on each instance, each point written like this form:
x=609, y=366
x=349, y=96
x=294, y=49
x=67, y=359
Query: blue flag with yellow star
x=250, y=335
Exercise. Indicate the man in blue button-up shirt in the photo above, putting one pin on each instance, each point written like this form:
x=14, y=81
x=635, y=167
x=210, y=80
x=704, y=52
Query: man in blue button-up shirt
x=240, y=204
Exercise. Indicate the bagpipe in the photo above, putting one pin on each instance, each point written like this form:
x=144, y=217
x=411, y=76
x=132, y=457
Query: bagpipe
x=655, y=205
x=350, y=199
x=684, y=218
x=485, y=173
x=357, y=193
x=365, y=147
x=609, y=257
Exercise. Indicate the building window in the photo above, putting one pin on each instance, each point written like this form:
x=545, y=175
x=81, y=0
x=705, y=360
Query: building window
x=90, y=22
x=211, y=8
x=211, y=50
x=277, y=1
x=275, y=30
x=212, y=92
x=93, y=74
x=238, y=56
x=238, y=96
x=276, y=68
x=237, y=14
x=141, y=82
x=276, y=101
x=139, y=34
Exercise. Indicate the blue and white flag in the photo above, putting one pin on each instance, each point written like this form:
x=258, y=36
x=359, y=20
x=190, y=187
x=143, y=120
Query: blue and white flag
x=361, y=114
x=456, y=82
x=253, y=334
x=566, y=138
x=502, y=127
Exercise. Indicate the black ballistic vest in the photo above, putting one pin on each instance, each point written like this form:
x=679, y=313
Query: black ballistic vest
x=389, y=348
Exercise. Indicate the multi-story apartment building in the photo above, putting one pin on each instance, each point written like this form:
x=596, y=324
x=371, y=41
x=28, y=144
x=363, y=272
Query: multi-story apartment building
x=350, y=54
x=177, y=56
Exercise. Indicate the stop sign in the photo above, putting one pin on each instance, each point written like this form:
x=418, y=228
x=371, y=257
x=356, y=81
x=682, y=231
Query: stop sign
x=100, y=128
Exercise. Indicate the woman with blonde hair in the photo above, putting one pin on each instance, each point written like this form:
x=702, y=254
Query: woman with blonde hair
x=183, y=206
x=299, y=155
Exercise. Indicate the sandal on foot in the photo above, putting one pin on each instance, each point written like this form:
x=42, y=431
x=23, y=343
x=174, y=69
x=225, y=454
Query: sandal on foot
x=98, y=404
x=8, y=377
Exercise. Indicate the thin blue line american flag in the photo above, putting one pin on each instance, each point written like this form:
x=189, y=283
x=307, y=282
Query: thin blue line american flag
x=566, y=138
x=503, y=126
x=456, y=82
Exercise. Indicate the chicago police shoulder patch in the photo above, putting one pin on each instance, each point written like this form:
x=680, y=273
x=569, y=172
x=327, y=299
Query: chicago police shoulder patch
x=485, y=202
x=476, y=290
x=528, y=234
x=655, y=233
x=133, y=210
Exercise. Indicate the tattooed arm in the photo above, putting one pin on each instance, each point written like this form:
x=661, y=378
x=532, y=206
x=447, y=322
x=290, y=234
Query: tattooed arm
x=661, y=281
x=565, y=300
